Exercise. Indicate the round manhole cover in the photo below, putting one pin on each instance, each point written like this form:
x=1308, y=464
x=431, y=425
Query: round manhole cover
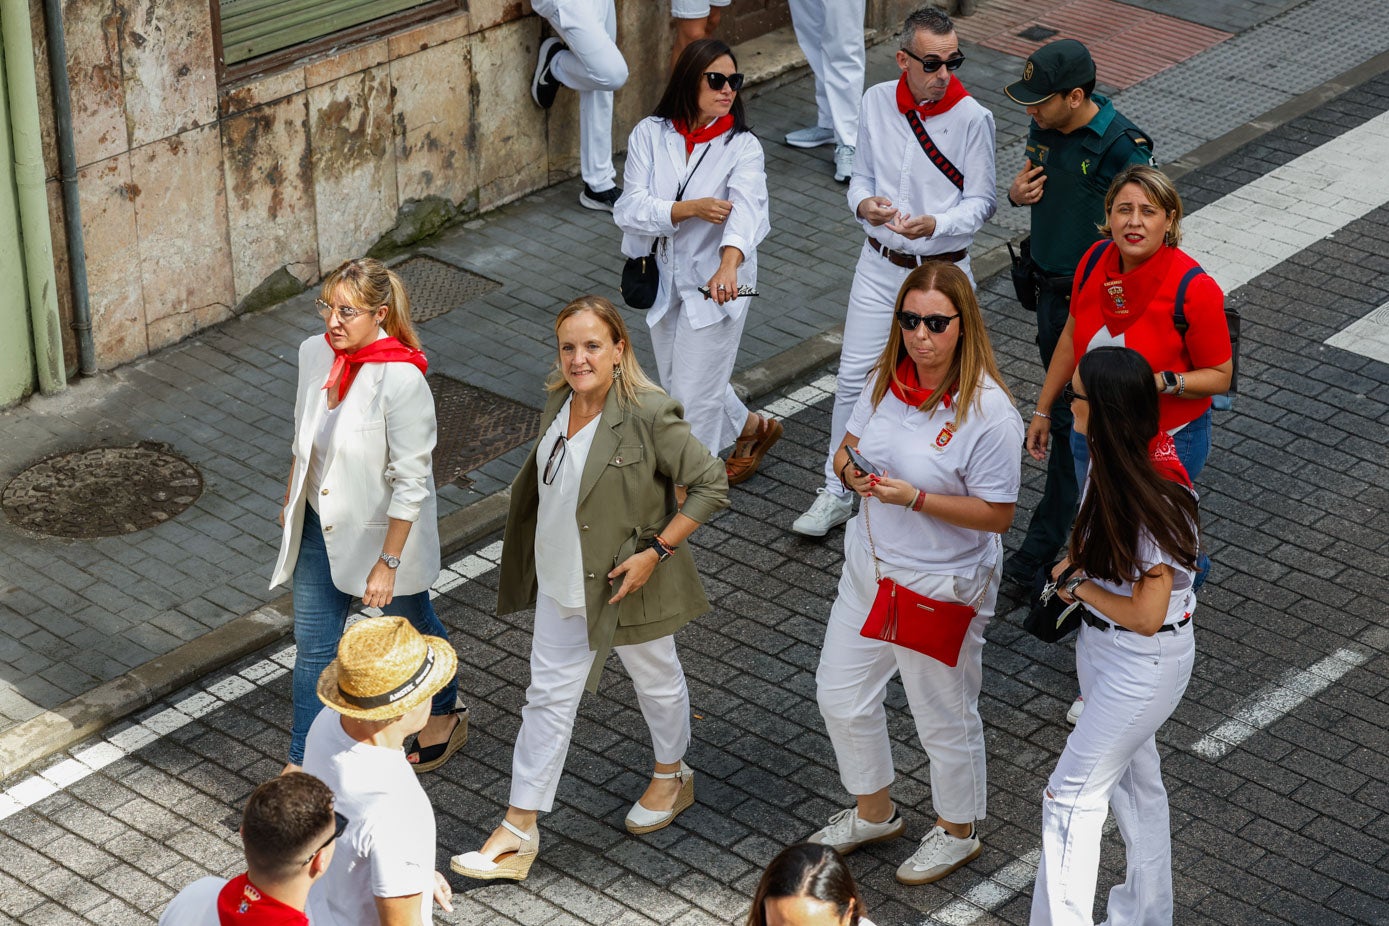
x=102, y=492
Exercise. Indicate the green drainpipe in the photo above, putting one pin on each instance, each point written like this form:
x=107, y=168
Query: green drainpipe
x=37, y=236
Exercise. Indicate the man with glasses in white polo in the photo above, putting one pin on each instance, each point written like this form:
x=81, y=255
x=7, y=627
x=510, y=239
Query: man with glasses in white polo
x=922, y=186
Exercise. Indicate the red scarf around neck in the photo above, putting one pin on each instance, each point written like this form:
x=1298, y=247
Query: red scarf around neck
x=699, y=136
x=241, y=904
x=954, y=93
x=383, y=350
x=907, y=386
x=1163, y=452
x=1127, y=294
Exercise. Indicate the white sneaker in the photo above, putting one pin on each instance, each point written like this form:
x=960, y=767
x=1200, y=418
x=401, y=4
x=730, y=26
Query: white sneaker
x=827, y=512
x=846, y=832
x=843, y=162
x=812, y=137
x=938, y=855
x=1077, y=708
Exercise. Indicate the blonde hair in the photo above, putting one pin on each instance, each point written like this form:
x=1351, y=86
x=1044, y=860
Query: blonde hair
x=633, y=380
x=1160, y=192
x=974, y=355
x=368, y=284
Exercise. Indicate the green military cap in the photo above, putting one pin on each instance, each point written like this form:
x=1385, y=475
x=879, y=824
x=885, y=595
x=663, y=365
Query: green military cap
x=1058, y=66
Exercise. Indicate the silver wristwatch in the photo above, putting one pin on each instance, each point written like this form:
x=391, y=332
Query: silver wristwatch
x=391, y=562
x=1075, y=582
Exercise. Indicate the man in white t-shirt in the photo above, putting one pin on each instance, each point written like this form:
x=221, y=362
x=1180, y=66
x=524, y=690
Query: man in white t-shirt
x=288, y=830
x=379, y=689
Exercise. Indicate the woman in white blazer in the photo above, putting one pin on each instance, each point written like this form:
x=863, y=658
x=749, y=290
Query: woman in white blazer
x=695, y=188
x=359, y=515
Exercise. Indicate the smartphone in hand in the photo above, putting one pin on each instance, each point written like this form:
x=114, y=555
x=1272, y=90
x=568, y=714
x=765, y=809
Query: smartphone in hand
x=861, y=463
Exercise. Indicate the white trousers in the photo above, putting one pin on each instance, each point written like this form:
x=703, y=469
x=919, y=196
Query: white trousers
x=867, y=324
x=594, y=66
x=696, y=366
x=852, y=681
x=1132, y=684
x=560, y=660
x=830, y=32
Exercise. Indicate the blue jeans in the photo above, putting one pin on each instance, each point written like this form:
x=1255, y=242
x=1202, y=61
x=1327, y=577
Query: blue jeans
x=1193, y=444
x=320, y=613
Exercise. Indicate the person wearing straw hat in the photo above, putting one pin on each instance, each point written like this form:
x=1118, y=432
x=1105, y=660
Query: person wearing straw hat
x=379, y=688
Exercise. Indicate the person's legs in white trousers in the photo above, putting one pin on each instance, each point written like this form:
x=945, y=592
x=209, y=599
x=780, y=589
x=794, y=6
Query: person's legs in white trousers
x=593, y=65
x=830, y=33
x=851, y=683
x=695, y=366
x=1132, y=684
x=560, y=661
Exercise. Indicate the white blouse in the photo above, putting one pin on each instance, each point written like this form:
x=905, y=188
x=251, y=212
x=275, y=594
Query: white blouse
x=732, y=169
x=559, y=567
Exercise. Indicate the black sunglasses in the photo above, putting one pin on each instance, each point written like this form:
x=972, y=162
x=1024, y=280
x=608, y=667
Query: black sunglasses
x=936, y=324
x=933, y=64
x=1069, y=395
x=556, y=458
x=339, y=824
x=717, y=80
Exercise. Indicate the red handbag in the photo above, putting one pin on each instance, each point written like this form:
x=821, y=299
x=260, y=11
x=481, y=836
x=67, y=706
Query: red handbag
x=911, y=619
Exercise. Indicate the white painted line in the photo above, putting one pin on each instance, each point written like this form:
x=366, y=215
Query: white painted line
x=1002, y=886
x=1275, y=701
x=1368, y=337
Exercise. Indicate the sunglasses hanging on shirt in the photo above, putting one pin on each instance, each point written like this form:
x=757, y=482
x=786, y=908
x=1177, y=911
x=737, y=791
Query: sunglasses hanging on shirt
x=717, y=80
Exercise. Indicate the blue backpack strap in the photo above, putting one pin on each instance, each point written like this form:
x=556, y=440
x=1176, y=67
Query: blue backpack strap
x=1178, y=303
x=1093, y=262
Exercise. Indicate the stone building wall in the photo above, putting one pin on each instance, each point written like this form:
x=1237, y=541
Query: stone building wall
x=195, y=194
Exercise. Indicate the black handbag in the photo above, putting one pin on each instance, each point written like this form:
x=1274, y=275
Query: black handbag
x=641, y=277
x=1021, y=270
x=1050, y=619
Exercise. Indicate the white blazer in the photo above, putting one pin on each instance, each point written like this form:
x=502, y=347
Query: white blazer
x=733, y=169
x=379, y=465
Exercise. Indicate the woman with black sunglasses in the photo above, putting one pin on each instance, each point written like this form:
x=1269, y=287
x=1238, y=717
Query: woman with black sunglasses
x=695, y=189
x=1133, y=550
x=595, y=543
x=940, y=438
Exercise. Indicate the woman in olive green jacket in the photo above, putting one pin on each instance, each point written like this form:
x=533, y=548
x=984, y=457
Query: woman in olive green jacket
x=595, y=542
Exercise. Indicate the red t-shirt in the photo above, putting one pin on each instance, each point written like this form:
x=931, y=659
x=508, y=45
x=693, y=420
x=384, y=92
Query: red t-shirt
x=1135, y=310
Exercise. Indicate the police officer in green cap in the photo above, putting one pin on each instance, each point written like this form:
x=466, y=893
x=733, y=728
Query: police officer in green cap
x=1076, y=144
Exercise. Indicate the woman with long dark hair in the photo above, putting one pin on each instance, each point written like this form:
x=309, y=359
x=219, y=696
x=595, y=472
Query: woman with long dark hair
x=1134, y=550
x=695, y=189
x=807, y=885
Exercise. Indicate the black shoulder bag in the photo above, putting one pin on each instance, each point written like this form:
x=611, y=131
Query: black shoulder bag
x=641, y=277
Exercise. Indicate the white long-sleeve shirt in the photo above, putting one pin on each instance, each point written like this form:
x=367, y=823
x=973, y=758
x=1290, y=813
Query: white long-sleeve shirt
x=889, y=162
x=733, y=169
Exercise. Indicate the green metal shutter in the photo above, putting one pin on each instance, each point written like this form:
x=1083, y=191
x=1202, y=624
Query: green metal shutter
x=251, y=28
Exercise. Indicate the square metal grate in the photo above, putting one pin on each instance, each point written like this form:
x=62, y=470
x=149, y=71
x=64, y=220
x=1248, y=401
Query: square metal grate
x=475, y=426
x=436, y=287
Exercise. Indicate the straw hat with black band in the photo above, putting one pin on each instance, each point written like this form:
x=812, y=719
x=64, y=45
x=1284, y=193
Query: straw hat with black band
x=385, y=669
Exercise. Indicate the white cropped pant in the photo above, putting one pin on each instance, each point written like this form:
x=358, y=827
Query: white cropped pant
x=852, y=682
x=830, y=32
x=1132, y=683
x=560, y=660
x=593, y=65
x=867, y=324
x=696, y=366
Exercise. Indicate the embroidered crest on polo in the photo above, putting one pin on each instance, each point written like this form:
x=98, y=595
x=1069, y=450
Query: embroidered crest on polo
x=946, y=433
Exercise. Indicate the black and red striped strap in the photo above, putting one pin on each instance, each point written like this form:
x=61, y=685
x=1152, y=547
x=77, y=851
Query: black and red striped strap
x=937, y=157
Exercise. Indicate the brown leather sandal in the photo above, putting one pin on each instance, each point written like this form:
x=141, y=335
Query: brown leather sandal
x=748, y=451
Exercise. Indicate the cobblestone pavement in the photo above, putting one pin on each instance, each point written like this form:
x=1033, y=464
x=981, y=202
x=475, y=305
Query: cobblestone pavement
x=1275, y=761
x=75, y=614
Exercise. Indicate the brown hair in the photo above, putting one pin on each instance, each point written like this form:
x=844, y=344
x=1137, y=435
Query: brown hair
x=680, y=102
x=368, y=284
x=807, y=870
x=633, y=379
x=285, y=821
x=1160, y=192
x=974, y=355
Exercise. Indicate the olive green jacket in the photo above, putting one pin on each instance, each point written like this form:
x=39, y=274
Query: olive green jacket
x=626, y=497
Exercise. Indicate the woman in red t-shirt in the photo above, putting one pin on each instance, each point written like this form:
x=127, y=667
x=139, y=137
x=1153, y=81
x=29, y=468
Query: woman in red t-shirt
x=1128, y=299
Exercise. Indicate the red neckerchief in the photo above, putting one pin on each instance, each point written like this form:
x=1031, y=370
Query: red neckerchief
x=1126, y=296
x=1163, y=452
x=699, y=136
x=383, y=350
x=907, y=387
x=240, y=904
x=954, y=93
